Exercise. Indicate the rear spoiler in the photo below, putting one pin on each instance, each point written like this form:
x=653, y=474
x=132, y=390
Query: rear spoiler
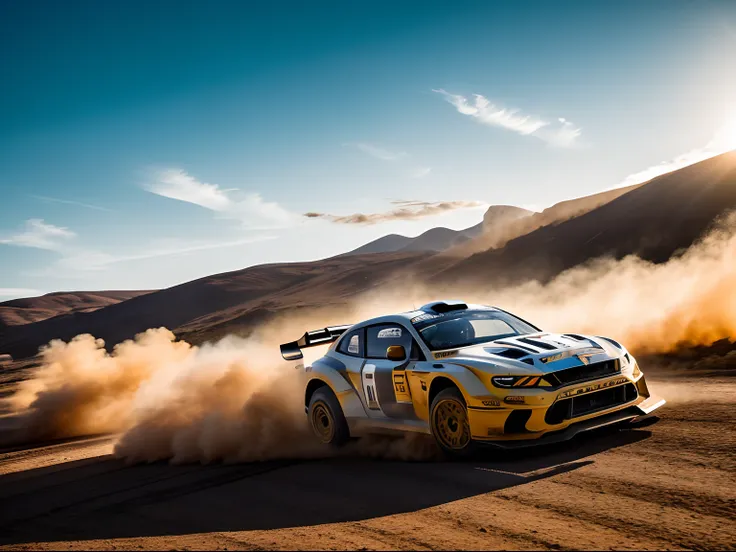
x=293, y=349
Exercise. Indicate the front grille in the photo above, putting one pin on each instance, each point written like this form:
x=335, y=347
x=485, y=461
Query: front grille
x=582, y=405
x=586, y=372
x=600, y=400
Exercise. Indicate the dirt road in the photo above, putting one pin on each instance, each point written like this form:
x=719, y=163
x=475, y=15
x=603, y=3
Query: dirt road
x=668, y=486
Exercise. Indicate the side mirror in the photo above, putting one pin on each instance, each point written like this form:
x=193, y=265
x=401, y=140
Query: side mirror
x=396, y=352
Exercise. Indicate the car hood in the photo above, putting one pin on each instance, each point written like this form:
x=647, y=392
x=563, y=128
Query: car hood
x=535, y=353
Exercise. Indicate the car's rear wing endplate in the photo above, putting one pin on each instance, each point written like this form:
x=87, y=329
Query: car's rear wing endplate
x=293, y=349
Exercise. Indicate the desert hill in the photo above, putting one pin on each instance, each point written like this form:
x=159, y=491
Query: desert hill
x=34, y=309
x=443, y=239
x=433, y=240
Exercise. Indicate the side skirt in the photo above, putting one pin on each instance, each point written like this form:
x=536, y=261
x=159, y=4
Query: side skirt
x=365, y=426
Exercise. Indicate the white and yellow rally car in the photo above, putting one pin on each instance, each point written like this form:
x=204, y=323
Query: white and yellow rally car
x=468, y=375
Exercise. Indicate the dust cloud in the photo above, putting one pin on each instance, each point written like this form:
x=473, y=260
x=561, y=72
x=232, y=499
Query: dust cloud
x=234, y=400
x=237, y=400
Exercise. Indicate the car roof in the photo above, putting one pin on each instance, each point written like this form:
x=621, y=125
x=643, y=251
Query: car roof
x=403, y=317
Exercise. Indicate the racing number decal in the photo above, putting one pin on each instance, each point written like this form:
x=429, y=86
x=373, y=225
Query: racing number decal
x=369, y=386
x=401, y=387
x=397, y=378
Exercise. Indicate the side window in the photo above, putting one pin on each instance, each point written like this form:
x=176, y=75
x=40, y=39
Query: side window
x=352, y=344
x=416, y=352
x=383, y=336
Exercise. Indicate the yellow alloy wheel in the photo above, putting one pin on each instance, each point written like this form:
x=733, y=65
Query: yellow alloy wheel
x=451, y=424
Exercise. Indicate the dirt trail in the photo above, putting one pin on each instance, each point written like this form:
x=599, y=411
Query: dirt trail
x=668, y=486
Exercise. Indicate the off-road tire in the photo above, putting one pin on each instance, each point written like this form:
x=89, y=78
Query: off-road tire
x=327, y=419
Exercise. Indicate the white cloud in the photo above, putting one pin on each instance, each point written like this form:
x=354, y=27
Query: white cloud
x=421, y=172
x=19, y=292
x=72, y=202
x=379, y=152
x=87, y=260
x=563, y=134
x=177, y=184
x=250, y=208
x=256, y=213
x=723, y=141
x=40, y=235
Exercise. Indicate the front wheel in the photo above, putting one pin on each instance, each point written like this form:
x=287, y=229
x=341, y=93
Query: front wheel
x=326, y=418
x=449, y=423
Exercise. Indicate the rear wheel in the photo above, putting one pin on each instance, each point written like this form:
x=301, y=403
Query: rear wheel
x=449, y=423
x=326, y=418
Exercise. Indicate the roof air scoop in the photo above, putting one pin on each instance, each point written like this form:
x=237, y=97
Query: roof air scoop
x=444, y=306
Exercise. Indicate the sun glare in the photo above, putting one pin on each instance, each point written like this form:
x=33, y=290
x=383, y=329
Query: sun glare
x=729, y=133
x=724, y=139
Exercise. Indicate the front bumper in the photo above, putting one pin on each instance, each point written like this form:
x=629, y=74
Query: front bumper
x=554, y=416
x=629, y=414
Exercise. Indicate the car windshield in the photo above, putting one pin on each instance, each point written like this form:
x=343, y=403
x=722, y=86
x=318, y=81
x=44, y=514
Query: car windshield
x=460, y=329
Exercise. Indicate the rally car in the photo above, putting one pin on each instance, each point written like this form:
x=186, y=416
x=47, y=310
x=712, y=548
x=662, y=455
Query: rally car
x=469, y=375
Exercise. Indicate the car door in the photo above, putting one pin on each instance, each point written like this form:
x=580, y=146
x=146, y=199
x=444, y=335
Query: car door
x=351, y=352
x=384, y=381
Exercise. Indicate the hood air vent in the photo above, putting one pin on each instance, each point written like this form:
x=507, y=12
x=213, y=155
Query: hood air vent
x=517, y=346
x=507, y=352
x=535, y=343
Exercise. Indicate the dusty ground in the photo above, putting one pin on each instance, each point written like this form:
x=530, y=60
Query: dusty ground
x=671, y=485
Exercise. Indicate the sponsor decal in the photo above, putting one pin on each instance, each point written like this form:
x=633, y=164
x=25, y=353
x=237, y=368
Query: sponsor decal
x=423, y=317
x=445, y=354
x=388, y=333
x=401, y=388
x=515, y=400
x=592, y=387
x=491, y=402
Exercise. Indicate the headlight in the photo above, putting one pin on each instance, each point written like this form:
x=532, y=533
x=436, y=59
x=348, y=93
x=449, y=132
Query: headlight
x=636, y=373
x=518, y=381
x=628, y=362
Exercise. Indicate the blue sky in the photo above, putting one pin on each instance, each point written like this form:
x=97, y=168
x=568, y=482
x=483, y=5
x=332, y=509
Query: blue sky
x=144, y=144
